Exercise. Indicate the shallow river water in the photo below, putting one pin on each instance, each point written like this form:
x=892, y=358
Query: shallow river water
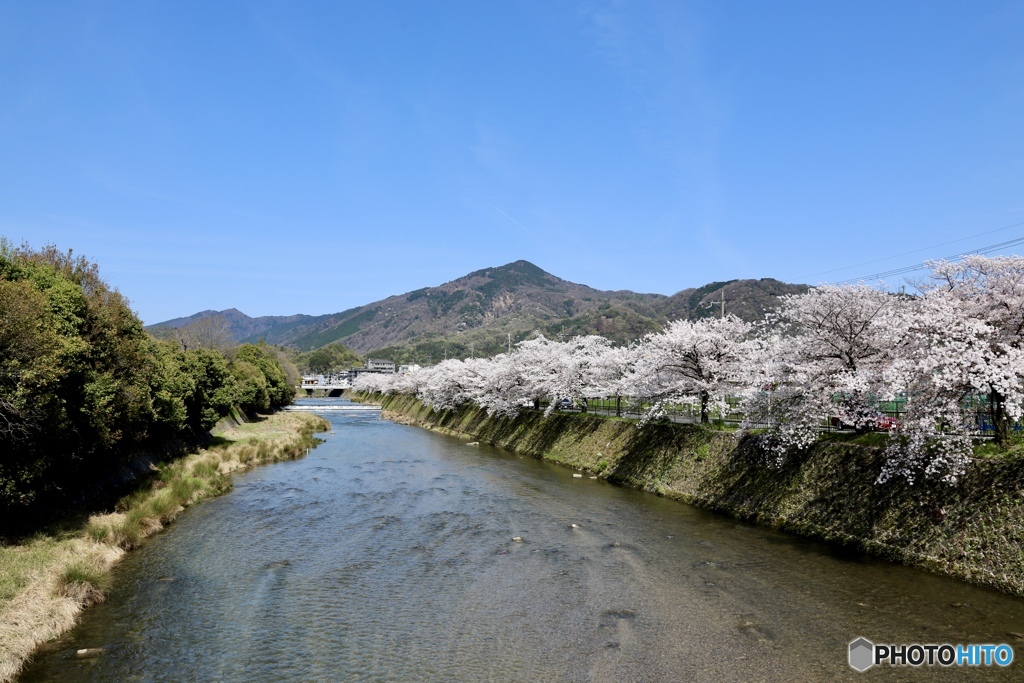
x=387, y=555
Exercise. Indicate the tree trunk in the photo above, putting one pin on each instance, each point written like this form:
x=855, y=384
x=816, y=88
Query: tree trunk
x=998, y=414
x=704, y=399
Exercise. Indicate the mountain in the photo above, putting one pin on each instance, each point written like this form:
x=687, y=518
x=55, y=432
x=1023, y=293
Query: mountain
x=746, y=299
x=240, y=325
x=477, y=313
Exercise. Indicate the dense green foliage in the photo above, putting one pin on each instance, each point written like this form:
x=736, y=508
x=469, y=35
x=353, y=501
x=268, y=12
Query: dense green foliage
x=83, y=387
x=331, y=358
x=271, y=388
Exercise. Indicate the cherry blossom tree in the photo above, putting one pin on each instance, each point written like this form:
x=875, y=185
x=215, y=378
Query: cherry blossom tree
x=372, y=382
x=571, y=370
x=965, y=348
x=449, y=384
x=505, y=386
x=692, y=361
x=822, y=354
x=984, y=298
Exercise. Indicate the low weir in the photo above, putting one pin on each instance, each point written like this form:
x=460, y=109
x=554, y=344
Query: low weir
x=345, y=408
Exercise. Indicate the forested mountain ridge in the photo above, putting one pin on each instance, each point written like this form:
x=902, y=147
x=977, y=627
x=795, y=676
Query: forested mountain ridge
x=476, y=313
x=242, y=326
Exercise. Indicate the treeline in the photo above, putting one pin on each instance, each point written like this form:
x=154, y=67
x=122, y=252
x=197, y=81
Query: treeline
x=214, y=332
x=83, y=387
x=328, y=359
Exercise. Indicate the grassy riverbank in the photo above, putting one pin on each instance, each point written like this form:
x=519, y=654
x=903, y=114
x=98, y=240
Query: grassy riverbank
x=47, y=580
x=973, y=531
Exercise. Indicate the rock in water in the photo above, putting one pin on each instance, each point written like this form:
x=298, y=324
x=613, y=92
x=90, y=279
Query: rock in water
x=85, y=653
x=576, y=475
x=517, y=539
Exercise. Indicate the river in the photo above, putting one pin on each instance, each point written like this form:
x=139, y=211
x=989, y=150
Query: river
x=387, y=554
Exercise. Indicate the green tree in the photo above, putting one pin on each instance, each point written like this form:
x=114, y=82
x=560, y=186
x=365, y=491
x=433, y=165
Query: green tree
x=279, y=390
x=253, y=393
x=28, y=356
x=84, y=389
x=214, y=389
x=170, y=386
x=75, y=371
x=329, y=358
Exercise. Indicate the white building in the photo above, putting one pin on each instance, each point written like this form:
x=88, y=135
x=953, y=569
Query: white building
x=380, y=365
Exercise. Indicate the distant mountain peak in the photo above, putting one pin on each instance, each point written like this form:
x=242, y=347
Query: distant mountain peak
x=477, y=313
x=510, y=277
x=521, y=267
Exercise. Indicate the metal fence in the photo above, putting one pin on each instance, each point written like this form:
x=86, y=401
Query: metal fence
x=685, y=413
x=635, y=409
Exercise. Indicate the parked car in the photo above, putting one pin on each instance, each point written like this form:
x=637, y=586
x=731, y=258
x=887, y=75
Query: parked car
x=884, y=423
x=564, y=404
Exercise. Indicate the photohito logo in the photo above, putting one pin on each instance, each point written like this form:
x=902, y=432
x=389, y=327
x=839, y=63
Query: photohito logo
x=864, y=654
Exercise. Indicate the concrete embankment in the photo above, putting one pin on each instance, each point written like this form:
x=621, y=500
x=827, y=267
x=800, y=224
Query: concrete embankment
x=973, y=531
x=48, y=579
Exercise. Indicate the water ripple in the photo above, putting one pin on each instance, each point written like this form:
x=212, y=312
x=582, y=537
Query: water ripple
x=388, y=555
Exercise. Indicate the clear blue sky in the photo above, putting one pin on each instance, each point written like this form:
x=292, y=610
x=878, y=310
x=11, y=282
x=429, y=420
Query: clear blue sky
x=312, y=156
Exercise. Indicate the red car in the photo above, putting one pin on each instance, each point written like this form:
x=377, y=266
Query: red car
x=884, y=423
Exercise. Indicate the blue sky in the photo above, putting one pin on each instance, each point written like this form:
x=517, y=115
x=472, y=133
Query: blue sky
x=308, y=157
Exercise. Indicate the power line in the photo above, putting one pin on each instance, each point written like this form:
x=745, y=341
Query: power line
x=913, y=251
x=921, y=266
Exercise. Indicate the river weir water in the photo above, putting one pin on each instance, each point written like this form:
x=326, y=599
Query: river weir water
x=387, y=554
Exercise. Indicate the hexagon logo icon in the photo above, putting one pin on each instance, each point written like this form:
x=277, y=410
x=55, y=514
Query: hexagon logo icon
x=862, y=654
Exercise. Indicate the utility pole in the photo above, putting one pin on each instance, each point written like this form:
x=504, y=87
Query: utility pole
x=712, y=304
x=510, y=343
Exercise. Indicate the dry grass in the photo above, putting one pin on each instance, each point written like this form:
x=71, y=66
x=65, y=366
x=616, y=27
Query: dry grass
x=19, y=562
x=84, y=580
x=51, y=599
x=46, y=582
